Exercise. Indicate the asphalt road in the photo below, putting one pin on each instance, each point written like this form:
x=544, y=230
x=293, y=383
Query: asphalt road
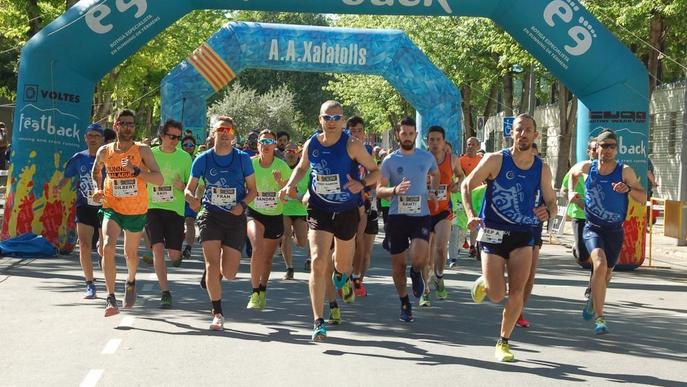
x=50, y=336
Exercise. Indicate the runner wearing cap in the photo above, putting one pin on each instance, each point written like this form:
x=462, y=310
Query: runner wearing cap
x=609, y=185
x=165, y=222
x=265, y=220
x=230, y=185
x=88, y=221
x=130, y=166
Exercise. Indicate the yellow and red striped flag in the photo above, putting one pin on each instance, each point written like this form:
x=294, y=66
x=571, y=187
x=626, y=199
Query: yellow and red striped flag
x=211, y=67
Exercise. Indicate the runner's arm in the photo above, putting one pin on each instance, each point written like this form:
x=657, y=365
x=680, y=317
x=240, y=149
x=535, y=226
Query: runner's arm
x=152, y=175
x=190, y=193
x=365, y=159
x=487, y=169
x=576, y=172
x=634, y=187
x=98, y=165
x=550, y=207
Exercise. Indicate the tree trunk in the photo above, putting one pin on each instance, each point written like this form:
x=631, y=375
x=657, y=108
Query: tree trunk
x=525, y=96
x=657, y=36
x=490, y=108
x=468, y=119
x=508, y=94
x=34, y=15
x=567, y=109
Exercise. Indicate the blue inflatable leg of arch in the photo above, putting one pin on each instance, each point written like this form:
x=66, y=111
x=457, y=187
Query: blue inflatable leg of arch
x=238, y=46
x=56, y=83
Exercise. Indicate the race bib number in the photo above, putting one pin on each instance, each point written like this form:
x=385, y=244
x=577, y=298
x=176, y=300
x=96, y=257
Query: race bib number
x=328, y=184
x=223, y=197
x=163, y=194
x=266, y=200
x=489, y=235
x=125, y=188
x=409, y=204
x=442, y=192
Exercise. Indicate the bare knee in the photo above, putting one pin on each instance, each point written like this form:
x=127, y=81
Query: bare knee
x=319, y=266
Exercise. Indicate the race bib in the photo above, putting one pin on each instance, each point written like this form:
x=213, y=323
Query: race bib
x=489, y=235
x=163, y=194
x=442, y=192
x=125, y=188
x=223, y=197
x=266, y=200
x=409, y=204
x=328, y=184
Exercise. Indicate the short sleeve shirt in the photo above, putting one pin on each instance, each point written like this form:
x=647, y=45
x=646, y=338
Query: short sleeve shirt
x=80, y=165
x=173, y=166
x=413, y=167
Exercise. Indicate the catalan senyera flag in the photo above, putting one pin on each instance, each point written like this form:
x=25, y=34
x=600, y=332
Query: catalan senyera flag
x=211, y=67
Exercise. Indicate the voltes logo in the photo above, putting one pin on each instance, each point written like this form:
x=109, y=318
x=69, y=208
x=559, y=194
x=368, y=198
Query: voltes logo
x=95, y=16
x=406, y=3
x=582, y=33
x=31, y=93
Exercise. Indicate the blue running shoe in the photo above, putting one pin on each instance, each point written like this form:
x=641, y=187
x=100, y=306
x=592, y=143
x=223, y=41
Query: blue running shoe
x=339, y=280
x=418, y=283
x=588, y=310
x=90, y=292
x=319, y=332
x=406, y=313
x=600, y=327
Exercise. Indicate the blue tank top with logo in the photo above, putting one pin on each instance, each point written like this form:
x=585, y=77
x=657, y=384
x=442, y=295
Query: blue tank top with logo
x=330, y=167
x=603, y=206
x=510, y=198
x=225, y=178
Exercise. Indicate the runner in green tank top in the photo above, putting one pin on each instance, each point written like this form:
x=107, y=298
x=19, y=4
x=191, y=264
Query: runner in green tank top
x=294, y=216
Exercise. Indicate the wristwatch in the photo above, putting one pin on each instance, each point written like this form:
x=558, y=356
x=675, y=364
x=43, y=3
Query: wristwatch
x=363, y=182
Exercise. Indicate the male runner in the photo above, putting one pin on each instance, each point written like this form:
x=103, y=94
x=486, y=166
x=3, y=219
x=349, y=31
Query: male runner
x=333, y=157
x=295, y=226
x=88, y=221
x=188, y=144
x=509, y=214
x=165, y=224
x=469, y=162
x=129, y=166
x=609, y=185
x=404, y=180
x=440, y=229
x=230, y=186
x=265, y=220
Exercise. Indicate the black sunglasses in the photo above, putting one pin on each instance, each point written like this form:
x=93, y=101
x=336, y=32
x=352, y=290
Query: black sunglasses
x=172, y=137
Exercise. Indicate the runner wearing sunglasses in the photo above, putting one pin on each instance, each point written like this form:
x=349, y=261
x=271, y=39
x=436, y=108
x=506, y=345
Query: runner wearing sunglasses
x=230, y=185
x=265, y=220
x=165, y=224
x=335, y=187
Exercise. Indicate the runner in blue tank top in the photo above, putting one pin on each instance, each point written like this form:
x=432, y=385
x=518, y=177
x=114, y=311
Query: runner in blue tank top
x=507, y=220
x=333, y=206
x=404, y=182
x=608, y=185
x=229, y=187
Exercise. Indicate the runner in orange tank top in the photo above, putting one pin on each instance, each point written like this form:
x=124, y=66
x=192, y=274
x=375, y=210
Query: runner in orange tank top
x=468, y=162
x=129, y=167
x=440, y=232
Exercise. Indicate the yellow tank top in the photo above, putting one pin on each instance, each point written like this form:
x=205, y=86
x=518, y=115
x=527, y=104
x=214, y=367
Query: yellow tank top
x=124, y=193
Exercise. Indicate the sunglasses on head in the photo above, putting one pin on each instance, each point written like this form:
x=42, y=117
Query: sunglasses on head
x=188, y=145
x=608, y=146
x=173, y=137
x=267, y=141
x=225, y=129
x=335, y=117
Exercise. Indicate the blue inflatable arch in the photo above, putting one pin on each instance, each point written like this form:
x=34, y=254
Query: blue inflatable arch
x=61, y=65
x=239, y=46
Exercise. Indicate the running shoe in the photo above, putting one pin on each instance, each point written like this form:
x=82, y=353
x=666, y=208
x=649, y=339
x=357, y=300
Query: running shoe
x=130, y=295
x=359, y=288
x=588, y=310
x=472, y=252
x=440, y=289
x=186, y=254
x=406, y=313
x=600, y=327
x=217, y=322
x=319, y=332
x=335, y=316
x=254, y=301
x=418, y=282
x=424, y=300
x=147, y=258
x=347, y=293
x=111, y=308
x=452, y=263
x=478, y=291
x=588, y=292
x=306, y=266
x=263, y=299
x=289, y=274
x=166, y=300
x=203, y=284
x=339, y=280
x=502, y=352
x=522, y=323
x=90, y=292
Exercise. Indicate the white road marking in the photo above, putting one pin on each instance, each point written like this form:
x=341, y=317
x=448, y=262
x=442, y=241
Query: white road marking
x=152, y=277
x=127, y=322
x=92, y=378
x=111, y=346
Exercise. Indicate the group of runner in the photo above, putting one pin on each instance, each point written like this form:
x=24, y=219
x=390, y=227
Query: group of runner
x=325, y=196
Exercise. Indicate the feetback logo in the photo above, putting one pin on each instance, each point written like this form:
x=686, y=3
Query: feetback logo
x=582, y=33
x=406, y=3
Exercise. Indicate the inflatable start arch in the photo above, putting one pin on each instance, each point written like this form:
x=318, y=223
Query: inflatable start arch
x=61, y=65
